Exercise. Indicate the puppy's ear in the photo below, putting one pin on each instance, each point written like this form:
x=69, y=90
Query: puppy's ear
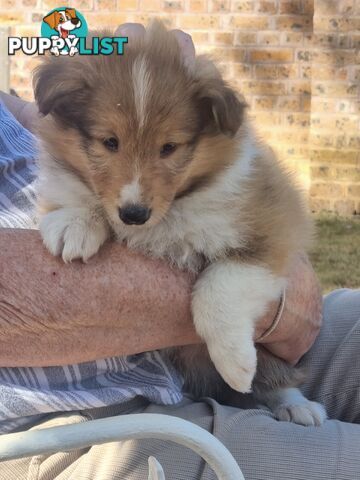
x=221, y=108
x=50, y=19
x=61, y=89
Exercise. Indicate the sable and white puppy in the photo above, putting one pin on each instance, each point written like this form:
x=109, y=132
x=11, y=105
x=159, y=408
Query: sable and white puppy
x=164, y=157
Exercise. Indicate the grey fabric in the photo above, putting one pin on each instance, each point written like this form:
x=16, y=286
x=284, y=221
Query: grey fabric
x=334, y=361
x=265, y=448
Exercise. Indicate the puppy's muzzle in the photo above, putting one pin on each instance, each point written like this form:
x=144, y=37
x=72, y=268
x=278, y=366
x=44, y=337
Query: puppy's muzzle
x=134, y=214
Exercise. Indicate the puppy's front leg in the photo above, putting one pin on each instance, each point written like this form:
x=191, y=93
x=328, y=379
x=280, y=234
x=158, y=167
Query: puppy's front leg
x=72, y=223
x=74, y=232
x=228, y=299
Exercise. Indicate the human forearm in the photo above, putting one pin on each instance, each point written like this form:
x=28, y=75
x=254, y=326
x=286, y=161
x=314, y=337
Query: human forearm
x=301, y=318
x=119, y=303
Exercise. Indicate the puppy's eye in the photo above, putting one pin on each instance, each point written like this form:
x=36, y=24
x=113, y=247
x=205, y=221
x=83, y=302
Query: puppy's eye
x=111, y=144
x=167, y=149
x=61, y=20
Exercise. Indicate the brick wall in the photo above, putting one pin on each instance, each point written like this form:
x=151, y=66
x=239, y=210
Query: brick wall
x=297, y=62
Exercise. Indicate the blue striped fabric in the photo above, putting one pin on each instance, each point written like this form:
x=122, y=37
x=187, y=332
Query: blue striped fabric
x=25, y=392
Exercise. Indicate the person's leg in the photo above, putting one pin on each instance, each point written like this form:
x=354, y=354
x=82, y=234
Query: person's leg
x=44, y=467
x=333, y=363
x=66, y=465
x=263, y=447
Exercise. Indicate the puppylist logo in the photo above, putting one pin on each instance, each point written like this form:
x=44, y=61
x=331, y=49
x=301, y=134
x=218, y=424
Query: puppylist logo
x=63, y=32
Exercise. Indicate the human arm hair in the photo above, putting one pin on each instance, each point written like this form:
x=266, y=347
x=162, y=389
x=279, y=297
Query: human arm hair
x=119, y=303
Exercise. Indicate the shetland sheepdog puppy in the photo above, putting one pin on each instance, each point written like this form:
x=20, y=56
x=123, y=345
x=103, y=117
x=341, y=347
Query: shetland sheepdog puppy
x=164, y=158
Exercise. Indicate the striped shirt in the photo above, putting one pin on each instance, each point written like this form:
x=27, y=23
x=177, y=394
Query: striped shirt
x=29, y=392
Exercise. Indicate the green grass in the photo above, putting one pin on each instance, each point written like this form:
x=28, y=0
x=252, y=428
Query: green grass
x=336, y=254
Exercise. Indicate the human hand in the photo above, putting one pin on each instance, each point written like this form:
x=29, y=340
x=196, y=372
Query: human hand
x=301, y=319
x=136, y=30
x=25, y=112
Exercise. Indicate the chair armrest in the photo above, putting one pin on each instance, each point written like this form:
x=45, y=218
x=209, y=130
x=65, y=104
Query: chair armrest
x=120, y=428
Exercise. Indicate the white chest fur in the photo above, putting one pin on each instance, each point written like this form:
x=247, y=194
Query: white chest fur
x=206, y=223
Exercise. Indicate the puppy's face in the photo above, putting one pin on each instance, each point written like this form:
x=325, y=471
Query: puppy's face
x=140, y=129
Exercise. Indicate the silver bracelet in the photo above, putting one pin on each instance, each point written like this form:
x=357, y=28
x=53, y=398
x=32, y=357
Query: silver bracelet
x=276, y=320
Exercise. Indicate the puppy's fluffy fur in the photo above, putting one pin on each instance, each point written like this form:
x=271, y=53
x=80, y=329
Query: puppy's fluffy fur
x=220, y=202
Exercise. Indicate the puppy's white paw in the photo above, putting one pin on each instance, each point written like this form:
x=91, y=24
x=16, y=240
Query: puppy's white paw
x=227, y=299
x=237, y=365
x=306, y=413
x=290, y=405
x=73, y=233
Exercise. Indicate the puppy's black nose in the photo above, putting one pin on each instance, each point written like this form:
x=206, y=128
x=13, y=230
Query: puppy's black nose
x=75, y=21
x=134, y=214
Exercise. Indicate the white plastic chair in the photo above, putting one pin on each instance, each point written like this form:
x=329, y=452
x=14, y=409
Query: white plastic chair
x=112, y=429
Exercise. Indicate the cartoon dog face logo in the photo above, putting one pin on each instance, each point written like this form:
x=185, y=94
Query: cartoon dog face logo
x=63, y=21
